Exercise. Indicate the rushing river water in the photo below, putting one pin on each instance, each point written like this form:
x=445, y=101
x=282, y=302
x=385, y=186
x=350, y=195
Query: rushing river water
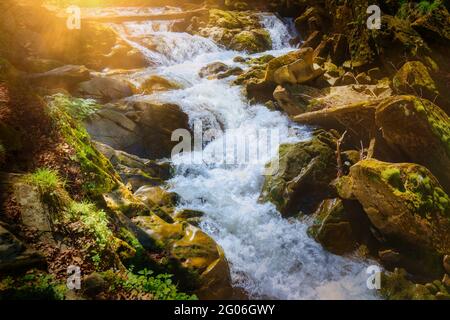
x=270, y=257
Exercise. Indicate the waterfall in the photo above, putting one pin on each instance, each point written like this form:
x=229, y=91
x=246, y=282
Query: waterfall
x=270, y=257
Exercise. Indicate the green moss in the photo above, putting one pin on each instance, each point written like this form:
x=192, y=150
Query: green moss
x=392, y=176
x=414, y=184
x=395, y=286
x=35, y=285
x=438, y=120
x=98, y=172
x=140, y=258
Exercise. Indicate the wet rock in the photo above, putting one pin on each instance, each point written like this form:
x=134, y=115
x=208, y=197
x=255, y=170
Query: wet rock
x=124, y=56
x=158, y=199
x=407, y=205
x=302, y=175
x=105, y=89
x=363, y=78
x=402, y=118
x=94, y=284
x=396, y=286
x=134, y=170
x=311, y=20
x=446, y=263
x=66, y=77
x=332, y=227
x=375, y=73
x=156, y=83
x=295, y=100
x=390, y=257
x=195, y=251
x=235, y=30
x=149, y=137
x=256, y=40
x=15, y=256
x=191, y=216
x=34, y=212
x=414, y=78
x=347, y=79
x=213, y=69
x=300, y=71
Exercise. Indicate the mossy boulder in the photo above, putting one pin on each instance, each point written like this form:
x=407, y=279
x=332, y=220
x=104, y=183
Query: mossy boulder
x=235, y=30
x=256, y=40
x=196, y=252
x=332, y=227
x=420, y=130
x=301, y=174
x=397, y=286
x=414, y=78
x=407, y=205
x=156, y=83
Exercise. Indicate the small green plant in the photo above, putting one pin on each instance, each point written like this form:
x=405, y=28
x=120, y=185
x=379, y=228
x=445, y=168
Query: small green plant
x=32, y=286
x=47, y=180
x=159, y=286
x=426, y=7
x=77, y=108
x=95, y=224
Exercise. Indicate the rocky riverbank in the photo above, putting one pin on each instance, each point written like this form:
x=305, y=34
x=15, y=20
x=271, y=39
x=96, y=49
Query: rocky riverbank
x=86, y=119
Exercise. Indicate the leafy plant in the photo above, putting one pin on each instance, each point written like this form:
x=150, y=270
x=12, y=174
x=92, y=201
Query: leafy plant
x=94, y=223
x=47, y=180
x=160, y=286
x=32, y=286
x=428, y=6
x=77, y=108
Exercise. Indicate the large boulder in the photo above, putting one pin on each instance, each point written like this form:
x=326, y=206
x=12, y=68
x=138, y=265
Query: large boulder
x=332, y=227
x=196, y=252
x=420, y=130
x=305, y=170
x=240, y=31
x=105, y=89
x=143, y=128
x=407, y=205
x=15, y=256
x=135, y=171
x=66, y=77
x=300, y=71
x=414, y=78
x=299, y=99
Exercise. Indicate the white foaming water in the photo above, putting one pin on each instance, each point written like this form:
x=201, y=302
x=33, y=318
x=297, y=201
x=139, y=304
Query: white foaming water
x=160, y=45
x=280, y=33
x=270, y=257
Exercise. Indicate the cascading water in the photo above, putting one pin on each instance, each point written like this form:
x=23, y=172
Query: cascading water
x=270, y=257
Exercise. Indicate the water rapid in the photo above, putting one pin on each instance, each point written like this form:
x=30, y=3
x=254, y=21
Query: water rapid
x=270, y=257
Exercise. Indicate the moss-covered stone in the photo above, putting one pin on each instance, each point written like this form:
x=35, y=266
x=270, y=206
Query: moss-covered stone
x=195, y=251
x=406, y=203
x=414, y=78
x=332, y=227
x=419, y=129
x=302, y=174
